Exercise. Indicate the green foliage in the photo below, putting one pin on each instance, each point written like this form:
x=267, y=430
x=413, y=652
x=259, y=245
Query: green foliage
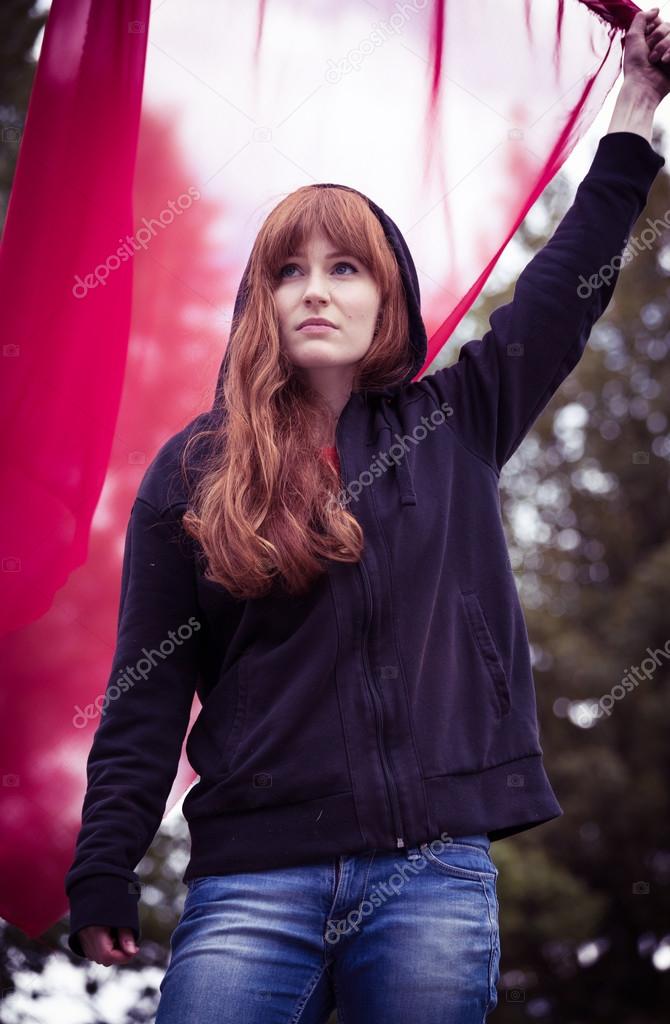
x=20, y=26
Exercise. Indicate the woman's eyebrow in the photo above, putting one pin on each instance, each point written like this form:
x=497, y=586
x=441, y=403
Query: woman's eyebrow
x=329, y=255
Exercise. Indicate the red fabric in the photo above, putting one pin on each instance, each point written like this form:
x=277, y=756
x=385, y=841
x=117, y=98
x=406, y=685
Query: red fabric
x=619, y=13
x=229, y=122
x=330, y=452
x=65, y=346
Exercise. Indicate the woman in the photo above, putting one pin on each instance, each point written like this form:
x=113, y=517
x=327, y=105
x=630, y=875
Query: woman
x=321, y=558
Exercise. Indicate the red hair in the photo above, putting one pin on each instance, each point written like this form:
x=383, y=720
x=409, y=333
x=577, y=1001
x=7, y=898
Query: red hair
x=263, y=505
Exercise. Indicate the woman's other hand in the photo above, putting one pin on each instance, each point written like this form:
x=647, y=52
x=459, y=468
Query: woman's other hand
x=100, y=943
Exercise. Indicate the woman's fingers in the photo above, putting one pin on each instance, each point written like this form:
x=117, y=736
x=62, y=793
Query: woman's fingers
x=659, y=41
x=127, y=940
x=107, y=953
x=98, y=943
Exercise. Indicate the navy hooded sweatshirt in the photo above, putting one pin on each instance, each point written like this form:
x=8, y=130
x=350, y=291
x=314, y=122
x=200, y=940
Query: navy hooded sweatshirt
x=395, y=701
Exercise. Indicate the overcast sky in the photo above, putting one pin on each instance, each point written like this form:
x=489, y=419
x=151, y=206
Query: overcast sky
x=190, y=94
x=578, y=162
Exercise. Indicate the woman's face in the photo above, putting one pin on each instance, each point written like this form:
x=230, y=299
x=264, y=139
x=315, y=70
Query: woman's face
x=337, y=287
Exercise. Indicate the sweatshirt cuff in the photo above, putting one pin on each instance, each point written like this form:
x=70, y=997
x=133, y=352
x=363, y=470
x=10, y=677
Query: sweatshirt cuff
x=631, y=155
x=106, y=900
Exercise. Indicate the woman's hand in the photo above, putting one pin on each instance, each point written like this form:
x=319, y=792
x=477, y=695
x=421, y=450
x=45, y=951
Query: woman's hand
x=647, y=42
x=98, y=943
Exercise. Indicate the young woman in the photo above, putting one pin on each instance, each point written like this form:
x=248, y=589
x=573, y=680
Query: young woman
x=321, y=558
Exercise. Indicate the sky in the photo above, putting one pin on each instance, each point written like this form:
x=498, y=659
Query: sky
x=212, y=131
x=213, y=135
x=578, y=162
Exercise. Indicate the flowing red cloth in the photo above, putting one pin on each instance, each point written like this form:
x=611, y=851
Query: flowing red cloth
x=137, y=195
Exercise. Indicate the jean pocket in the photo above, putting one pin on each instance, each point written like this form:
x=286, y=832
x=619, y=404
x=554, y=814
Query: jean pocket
x=460, y=860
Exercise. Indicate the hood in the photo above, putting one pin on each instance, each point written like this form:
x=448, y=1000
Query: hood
x=418, y=340
x=417, y=332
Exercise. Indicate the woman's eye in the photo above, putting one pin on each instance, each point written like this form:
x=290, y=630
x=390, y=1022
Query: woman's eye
x=342, y=264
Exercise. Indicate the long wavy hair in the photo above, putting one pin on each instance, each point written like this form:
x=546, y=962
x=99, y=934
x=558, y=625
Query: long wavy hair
x=263, y=504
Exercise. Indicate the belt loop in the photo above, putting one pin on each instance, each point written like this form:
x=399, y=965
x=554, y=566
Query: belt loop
x=413, y=853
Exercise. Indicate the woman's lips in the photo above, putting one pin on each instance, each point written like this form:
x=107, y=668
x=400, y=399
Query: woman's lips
x=316, y=328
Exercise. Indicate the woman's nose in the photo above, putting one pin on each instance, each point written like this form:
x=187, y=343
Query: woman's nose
x=316, y=293
x=316, y=288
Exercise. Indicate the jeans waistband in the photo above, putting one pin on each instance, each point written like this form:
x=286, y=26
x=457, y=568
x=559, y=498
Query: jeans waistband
x=480, y=839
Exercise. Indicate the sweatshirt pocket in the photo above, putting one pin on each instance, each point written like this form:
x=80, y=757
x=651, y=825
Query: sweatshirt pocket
x=214, y=740
x=487, y=647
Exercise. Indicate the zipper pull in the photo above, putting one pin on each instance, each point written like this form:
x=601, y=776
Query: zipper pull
x=400, y=842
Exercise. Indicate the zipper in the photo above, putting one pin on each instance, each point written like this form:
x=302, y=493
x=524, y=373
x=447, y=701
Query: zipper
x=379, y=714
x=391, y=788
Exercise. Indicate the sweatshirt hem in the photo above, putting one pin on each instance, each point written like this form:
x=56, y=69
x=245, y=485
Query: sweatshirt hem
x=499, y=801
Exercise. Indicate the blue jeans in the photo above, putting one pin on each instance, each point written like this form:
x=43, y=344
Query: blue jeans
x=387, y=937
